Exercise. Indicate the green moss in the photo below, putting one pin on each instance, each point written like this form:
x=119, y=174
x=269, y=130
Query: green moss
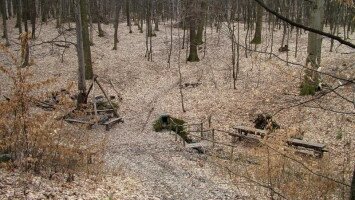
x=158, y=125
x=256, y=40
x=339, y=135
x=308, y=89
x=174, y=124
x=103, y=105
x=5, y=158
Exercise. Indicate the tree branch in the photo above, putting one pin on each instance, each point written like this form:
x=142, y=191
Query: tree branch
x=262, y=4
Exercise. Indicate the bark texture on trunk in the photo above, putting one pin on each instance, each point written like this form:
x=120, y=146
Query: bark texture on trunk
x=193, y=55
x=314, y=49
x=4, y=22
x=258, y=25
x=86, y=39
x=80, y=51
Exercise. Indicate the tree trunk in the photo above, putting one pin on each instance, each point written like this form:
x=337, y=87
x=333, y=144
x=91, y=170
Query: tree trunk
x=201, y=24
x=352, y=190
x=25, y=49
x=128, y=15
x=99, y=18
x=44, y=10
x=19, y=15
x=25, y=14
x=80, y=51
x=91, y=29
x=59, y=14
x=33, y=16
x=193, y=55
x=149, y=19
x=4, y=23
x=9, y=7
x=86, y=39
x=258, y=26
x=311, y=78
x=117, y=14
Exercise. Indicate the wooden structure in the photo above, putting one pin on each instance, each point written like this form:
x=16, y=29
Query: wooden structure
x=247, y=132
x=206, y=138
x=102, y=117
x=316, y=149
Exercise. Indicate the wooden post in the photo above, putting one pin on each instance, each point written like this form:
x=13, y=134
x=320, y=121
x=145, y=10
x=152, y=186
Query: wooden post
x=201, y=130
x=213, y=142
x=240, y=133
x=108, y=99
x=176, y=134
x=234, y=139
x=94, y=100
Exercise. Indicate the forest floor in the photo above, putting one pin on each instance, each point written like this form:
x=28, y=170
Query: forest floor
x=143, y=164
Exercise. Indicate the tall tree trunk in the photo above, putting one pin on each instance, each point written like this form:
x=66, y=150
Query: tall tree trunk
x=44, y=10
x=4, y=23
x=19, y=15
x=25, y=14
x=258, y=26
x=311, y=78
x=117, y=14
x=99, y=18
x=352, y=190
x=59, y=13
x=80, y=51
x=157, y=14
x=128, y=15
x=86, y=39
x=149, y=19
x=91, y=26
x=33, y=17
x=25, y=49
x=201, y=17
x=9, y=7
x=193, y=55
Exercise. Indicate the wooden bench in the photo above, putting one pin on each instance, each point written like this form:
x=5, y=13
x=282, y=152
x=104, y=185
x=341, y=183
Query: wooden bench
x=317, y=148
x=242, y=136
x=244, y=131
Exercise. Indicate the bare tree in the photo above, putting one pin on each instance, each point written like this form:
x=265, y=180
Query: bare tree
x=80, y=51
x=117, y=14
x=314, y=49
x=4, y=17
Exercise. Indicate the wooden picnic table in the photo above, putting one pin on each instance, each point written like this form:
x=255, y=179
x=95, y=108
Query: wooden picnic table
x=244, y=130
x=318, y=149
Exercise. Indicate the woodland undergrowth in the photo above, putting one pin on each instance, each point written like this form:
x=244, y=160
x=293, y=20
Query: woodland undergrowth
x=38, y=141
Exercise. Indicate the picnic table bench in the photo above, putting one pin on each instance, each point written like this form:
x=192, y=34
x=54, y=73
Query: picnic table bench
x=317, y=148
x=247, y=132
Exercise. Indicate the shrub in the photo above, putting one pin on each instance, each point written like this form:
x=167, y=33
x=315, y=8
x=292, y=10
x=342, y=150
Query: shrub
x=174, y=124
x=308, y=89
x=36, y=140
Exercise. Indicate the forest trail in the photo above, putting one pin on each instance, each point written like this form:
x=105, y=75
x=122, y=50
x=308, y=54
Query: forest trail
x=165, y=169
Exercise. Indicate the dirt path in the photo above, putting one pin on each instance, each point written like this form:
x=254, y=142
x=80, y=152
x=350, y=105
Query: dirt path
x=165, y=169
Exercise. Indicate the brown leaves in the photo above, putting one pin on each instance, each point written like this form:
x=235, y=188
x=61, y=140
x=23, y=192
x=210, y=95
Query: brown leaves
x=36, y=140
